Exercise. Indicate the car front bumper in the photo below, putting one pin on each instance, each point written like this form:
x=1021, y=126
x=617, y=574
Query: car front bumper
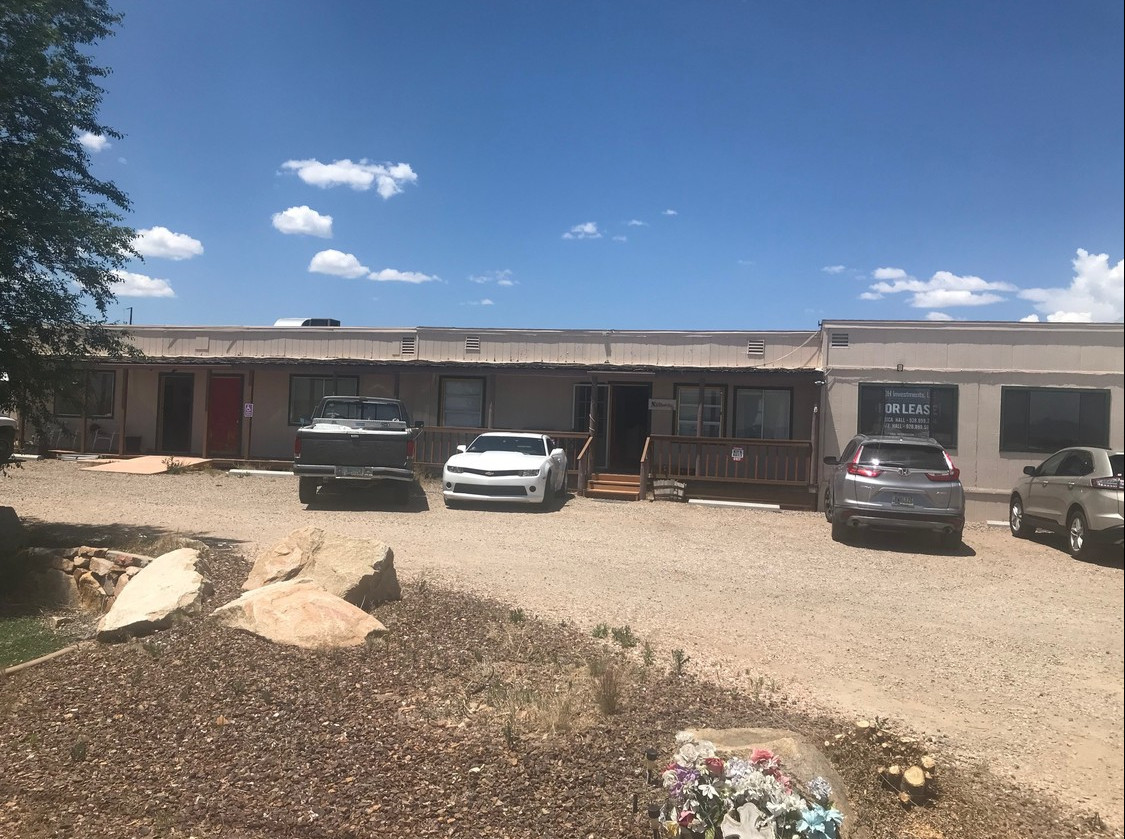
x=508, y=489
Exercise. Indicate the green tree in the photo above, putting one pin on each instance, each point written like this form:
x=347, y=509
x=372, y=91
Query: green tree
x=61, y=231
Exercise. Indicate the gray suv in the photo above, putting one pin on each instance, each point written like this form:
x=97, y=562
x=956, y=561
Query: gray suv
x=1078, y=491
x=895, y=483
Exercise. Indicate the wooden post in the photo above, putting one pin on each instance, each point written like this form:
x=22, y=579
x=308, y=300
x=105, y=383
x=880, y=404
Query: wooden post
x=124, y=411
x=250, y=419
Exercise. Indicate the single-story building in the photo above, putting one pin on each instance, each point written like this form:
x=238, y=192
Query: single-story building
x=732, y=414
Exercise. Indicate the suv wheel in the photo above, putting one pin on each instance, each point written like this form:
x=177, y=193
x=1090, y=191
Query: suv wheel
x=1077, y=534
x=951, y=541
x=828, y=504
x=1016, y=521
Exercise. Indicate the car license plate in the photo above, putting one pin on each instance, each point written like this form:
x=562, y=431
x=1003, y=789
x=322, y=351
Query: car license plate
x=354, y=472
x=902, y=500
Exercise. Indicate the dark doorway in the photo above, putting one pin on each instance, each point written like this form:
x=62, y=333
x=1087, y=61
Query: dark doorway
x=224, y=416
x=176, y=400
x=628, y=426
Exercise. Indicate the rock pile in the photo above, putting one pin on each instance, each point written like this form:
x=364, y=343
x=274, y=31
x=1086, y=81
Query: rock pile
x=85, y=577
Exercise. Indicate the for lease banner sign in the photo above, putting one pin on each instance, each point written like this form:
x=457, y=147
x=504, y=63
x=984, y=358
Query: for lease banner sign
x=906, y=412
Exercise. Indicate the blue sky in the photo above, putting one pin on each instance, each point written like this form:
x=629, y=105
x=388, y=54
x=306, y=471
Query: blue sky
x=631, y=165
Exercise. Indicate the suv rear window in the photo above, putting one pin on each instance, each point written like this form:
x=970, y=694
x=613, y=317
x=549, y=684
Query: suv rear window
x=904, y=455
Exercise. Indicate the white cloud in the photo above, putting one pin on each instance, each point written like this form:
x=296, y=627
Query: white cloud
x=938, y=316
x=669, y=213
x=942, y=290
x=390, y=275
x=162, y=242
x=129, y=284
x=620, y=238
x=636, y=222
x=589, y=230
x=387, y=178
x=484, y=301
x=94, y=142
x=1095, y=294
x=303, y=220
x=1030, y=319
x=501, y=278
x=338, y=264
x=834, y=269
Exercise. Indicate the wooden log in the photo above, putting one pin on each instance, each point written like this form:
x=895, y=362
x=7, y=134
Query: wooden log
x=864, y=728
x=904, y=799
x=894, y=775
x=914, y=782
x=928, y=764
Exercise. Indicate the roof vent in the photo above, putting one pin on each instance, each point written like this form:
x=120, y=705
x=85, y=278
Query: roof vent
x=756, y=347
x=472, y=344
x=407, y=346
x=839, y=340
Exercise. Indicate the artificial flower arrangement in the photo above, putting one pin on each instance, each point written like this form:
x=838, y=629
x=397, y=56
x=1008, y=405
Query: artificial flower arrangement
x=710, y=797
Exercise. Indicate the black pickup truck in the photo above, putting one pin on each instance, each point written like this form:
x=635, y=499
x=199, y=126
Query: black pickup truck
x=358, y=441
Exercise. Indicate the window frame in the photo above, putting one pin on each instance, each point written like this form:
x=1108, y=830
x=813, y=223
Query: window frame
x=734, y=413
x=1024, y=445
x=948, y=440
x=82, y=402
x=694, y=388
x=443, y=381
x=335, y=379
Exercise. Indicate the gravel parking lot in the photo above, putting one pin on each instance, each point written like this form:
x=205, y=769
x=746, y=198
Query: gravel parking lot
x=1006, y=652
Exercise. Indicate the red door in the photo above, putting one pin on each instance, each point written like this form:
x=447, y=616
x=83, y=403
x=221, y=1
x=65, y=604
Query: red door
x=224, y=416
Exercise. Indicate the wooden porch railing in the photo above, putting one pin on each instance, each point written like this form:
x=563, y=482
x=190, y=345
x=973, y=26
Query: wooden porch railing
x=436, y=444
x=727, y=459
x=583, y=463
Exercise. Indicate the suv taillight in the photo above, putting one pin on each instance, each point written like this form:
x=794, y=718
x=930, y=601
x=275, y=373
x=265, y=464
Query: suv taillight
x=945, y=477
x=863, y=471
x=1116, y=482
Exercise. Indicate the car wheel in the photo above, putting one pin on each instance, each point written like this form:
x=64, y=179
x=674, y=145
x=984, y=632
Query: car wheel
x=548, y=491
x=1016, y=520
x=1077, y=534
x=306, y=489
x=828, y=504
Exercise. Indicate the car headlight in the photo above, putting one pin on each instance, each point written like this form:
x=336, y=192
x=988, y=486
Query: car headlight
x=456, y=470
x=529, y=473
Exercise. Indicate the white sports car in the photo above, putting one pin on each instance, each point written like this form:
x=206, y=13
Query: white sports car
x=512, y=466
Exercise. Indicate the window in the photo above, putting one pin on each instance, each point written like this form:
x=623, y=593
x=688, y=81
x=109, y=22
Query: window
x=305, y=393
x=903, y=410
x=462, y=403
x=94, y=389
x=687, y=411
x=1048, y=419
x=762, y=413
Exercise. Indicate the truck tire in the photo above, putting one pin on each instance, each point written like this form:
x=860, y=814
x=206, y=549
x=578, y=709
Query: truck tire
x=306, y=489
x=7, y=443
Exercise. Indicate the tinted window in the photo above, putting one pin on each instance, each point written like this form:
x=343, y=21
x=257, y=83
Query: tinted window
x=345, y=409
x=930, y=458
x=1046, y=419
x=1116, y=462
x=522, y=445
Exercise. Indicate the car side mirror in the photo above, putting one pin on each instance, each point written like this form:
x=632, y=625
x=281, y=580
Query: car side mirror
x=557, y=451
x=461, y=448
x=1030, y=470
x=831, y=461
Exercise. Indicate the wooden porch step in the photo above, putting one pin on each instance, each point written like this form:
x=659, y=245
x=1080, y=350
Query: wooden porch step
x=621, y=487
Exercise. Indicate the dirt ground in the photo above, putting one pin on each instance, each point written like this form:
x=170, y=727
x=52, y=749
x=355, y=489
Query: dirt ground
x=1009, y=654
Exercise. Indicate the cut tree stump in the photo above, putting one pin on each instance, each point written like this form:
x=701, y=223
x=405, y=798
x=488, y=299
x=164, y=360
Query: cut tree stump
x=914, y=782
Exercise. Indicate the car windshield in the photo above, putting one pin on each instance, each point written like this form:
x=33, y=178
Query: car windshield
x=521, y=445
x=345, y=409
x=1116, y=461
x=904, y=456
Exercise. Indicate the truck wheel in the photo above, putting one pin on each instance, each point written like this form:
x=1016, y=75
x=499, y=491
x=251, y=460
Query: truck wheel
x=7, y=444
x=306, y=489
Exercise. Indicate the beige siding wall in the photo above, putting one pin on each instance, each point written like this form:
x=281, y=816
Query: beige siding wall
x=980, y=359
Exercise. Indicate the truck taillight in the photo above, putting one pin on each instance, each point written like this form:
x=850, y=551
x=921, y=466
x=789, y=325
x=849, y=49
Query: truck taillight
x=410, y=448
x=297, y=447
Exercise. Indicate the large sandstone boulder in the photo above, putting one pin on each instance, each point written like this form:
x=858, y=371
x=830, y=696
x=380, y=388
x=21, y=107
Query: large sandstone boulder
x=169, y=589
x=798, y=755
x=301, y=614
x=361, y=571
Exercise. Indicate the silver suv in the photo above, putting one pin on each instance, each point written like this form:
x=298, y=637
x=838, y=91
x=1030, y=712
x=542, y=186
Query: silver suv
x=1077, y=490
x=895, y=483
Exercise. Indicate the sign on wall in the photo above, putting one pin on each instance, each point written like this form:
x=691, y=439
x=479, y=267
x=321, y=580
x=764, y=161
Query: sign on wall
x=662, y=404
x=248, y=410
x=906, y=412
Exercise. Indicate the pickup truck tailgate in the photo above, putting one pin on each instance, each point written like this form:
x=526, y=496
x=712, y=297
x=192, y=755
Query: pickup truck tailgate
x=355, y=447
